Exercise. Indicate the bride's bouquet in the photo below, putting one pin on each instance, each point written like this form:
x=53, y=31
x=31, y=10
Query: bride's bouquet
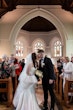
x=39, y=73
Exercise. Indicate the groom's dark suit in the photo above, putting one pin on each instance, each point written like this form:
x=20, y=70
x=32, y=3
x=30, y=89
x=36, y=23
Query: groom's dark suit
x=48, y=73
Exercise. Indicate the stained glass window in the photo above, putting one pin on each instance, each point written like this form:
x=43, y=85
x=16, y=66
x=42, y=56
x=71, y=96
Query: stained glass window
x=38, y=45
x=57, y=49
x=19, y=49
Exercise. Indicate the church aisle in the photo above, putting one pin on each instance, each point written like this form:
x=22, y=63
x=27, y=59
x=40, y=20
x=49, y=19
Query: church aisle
x=39, y=94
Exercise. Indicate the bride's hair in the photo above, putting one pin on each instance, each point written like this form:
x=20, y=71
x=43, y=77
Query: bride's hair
x=34, y=58
x=31, y=58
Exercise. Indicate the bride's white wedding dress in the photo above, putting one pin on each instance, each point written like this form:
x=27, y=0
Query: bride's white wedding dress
x=25, y=97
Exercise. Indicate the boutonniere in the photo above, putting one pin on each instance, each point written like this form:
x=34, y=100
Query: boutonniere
x=42, y=64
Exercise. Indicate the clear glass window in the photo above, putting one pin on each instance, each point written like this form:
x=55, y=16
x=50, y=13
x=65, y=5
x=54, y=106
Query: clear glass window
x=19, y=49
x=38, y=45
x=57, y=49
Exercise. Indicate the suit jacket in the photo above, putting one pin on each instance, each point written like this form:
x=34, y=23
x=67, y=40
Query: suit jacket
x=48, y=70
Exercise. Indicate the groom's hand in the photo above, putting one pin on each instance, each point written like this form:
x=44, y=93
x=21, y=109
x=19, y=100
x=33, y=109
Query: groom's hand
x=50, y=81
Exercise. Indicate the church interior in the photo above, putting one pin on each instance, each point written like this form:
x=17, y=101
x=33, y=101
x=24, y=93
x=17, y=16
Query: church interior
x=28, y=25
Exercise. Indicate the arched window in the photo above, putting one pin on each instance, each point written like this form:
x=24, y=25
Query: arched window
x=57, y=49
x=38, y=45
x=19, y=49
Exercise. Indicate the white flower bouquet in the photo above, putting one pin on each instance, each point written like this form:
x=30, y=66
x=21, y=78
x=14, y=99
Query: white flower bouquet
x=39, y=73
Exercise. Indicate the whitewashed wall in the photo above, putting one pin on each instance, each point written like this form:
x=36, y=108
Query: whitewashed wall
x=11, y=23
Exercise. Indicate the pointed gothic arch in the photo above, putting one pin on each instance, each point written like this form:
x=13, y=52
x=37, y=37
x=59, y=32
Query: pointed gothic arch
x=32, y=14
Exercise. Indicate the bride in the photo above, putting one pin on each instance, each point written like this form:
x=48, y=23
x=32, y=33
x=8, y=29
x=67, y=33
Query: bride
x=25, y=97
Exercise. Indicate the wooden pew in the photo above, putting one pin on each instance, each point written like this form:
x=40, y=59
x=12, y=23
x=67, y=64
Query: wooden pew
x=68, y=88
x=8, y=89
x=61, y=88
x=14, y=83
x=56, y=82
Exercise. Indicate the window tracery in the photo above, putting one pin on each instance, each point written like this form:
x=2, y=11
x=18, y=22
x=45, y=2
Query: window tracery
x=19, y=49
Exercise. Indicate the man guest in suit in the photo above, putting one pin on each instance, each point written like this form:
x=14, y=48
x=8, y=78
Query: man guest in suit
x=46, y=66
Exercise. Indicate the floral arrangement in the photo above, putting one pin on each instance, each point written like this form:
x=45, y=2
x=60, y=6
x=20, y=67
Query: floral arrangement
x=39, y=73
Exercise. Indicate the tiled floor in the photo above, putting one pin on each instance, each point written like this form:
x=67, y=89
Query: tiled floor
x=39, y=95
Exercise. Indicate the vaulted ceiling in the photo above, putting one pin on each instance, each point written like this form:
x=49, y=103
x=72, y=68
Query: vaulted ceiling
x=38, y=23
x=11, y=4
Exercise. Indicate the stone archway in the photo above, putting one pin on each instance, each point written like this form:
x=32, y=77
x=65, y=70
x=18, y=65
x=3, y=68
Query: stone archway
x=32, y=14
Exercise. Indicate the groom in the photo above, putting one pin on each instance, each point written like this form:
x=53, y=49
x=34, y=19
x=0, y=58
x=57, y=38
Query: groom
x=46, y=66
